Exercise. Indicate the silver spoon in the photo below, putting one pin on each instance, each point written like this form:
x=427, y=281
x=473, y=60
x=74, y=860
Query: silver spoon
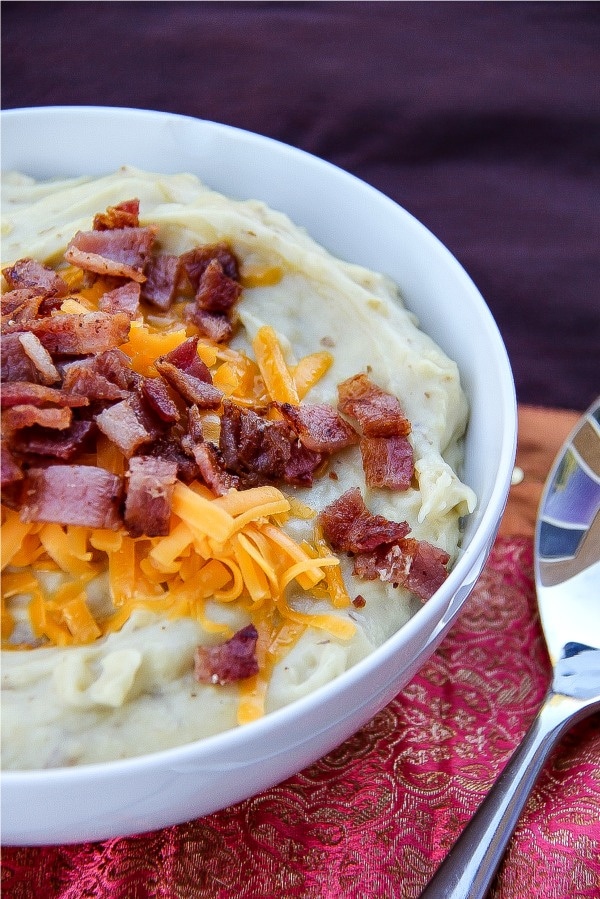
x=567, y=575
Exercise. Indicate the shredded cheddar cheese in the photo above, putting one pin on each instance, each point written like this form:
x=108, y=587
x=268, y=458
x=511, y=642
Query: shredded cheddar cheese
x=273, y=368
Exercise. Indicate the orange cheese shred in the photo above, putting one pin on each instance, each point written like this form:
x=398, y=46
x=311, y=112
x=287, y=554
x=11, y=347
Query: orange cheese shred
x=273, y=368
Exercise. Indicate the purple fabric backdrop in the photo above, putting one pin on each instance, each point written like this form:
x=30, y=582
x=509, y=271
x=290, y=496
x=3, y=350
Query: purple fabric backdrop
x=482, y=119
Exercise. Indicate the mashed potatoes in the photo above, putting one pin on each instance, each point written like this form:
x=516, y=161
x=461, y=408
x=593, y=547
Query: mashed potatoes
x=132, y=690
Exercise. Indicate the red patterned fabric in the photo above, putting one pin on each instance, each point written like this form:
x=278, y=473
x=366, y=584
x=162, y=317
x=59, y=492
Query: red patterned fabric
x=375, y=817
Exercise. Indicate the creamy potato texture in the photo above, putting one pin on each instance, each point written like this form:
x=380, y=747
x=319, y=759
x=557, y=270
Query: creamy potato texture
x=133, y=691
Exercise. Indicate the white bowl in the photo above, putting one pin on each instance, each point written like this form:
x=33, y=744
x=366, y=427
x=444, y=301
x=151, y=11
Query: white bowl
x=357, y=223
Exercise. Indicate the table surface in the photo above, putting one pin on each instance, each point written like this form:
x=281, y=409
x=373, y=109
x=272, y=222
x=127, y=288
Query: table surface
x=482, y=119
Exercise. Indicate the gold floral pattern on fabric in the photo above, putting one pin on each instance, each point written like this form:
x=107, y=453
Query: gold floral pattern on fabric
x=374, y=818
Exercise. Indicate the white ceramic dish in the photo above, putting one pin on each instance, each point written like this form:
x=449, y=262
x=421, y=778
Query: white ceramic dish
x=359, y=224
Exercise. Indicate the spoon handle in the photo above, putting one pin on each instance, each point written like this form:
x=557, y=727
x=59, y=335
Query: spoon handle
x=469, y=868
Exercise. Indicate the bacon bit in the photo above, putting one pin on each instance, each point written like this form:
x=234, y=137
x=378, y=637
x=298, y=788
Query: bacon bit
x=123, y=215
x=319, y=427
x=383, y=549
x=196, y=261
x=428, y=569
x=169, y=447
x=387, y=462
x=15, y=364
x=27, y=273
x=194, y=390
x=416, y=565
x=18, y=417
x=149, y=496
x=359, y=602
x=162, y=277
x=210, y=324
x=212, y=471
x=65, y=445
x=185, y=357
x=302, y=466
x=262, y=451
x=128, y=425
x=20, y=305
x=75, y=335
x=18, y=393
x=154, y=391
x=349, y=526
x=72, y=494
x=125, y=298
x=389, y=563
x=216, y=292
x=228, y=662
x=120, y=252
x=97, y=378
x=379, y=413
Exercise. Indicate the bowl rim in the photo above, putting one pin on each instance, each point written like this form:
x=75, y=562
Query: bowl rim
x=470, y=557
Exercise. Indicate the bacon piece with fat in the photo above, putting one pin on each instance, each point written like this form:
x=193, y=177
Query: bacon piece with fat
x=319, y=426
x=187, y=374
x=123, y=215
x=72, y=494
x=28, y=273
x=194, y=390
x=119, y=252
x=15, y=364
x=78, y=335
x=150, y=484
x=162, y=277
x=125, y=298
x=228, y=662
x=349, y=526
x=387, y=462
x=105, y=377
x=129, y=425
x=389, y=563
x=41, y=358
x=379, y=413
x=19, y=393
x=17, y=417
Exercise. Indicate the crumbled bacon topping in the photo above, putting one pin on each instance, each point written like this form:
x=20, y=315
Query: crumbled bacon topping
x=381, y=548
x=118, y=252
x=378, y=412
x=227, y=662
x=67, y=384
